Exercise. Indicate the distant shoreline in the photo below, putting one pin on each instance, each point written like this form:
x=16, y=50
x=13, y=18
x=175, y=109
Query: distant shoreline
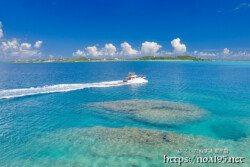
x=126, y=61
x=18, y=61
x=91, y=61
x=84, y=59
x=146, y=58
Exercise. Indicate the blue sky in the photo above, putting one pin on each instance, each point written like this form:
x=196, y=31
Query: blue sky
x=218, y=29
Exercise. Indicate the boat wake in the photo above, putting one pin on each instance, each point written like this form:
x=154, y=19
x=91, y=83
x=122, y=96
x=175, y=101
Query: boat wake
x=13, y=93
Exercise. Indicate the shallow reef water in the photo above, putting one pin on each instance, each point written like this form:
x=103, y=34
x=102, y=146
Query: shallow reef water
x=229, y=131
x=101, y=146
x=154, y=111
x=92, y=121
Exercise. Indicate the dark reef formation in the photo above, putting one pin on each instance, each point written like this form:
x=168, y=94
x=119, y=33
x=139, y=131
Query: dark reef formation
x=153, y=111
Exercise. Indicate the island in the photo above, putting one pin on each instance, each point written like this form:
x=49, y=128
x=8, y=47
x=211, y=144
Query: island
x=84, y=59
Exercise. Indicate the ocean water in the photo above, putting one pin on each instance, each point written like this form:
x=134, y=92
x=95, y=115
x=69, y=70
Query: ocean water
x=46, y=119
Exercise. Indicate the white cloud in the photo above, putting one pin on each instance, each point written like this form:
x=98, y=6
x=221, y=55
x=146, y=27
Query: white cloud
x=226, y=51
x=1, y=30
x=178, y=47
x=108, y=50
x=79, y=53
x=127, y=50
x=14, y=49
x=224, y=55
x=150, y=48
x=241, y=54
x=38, y=44
x=9, y=45
x=25, y=46
x=205, y=54
x=92, y=51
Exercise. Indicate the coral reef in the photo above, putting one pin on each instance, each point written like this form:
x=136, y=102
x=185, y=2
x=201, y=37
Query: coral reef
x=153, y=111
x=100, y=146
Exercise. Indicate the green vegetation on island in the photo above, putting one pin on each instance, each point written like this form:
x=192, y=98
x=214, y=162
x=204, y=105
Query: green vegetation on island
x=187, y=58
x=84, y=59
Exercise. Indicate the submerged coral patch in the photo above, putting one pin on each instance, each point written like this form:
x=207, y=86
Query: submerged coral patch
x=154, y=112
x=100, y=146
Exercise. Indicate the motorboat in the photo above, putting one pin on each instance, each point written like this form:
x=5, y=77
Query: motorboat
x=132, y=77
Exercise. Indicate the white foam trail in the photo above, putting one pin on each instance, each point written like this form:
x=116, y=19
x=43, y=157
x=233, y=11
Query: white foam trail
x=12, y=93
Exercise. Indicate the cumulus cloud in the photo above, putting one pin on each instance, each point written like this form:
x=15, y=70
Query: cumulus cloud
x=178, y=47
x=9, y=45
x=150, y=48
x=108, y=50
x=92, y=51
x=38, y=44
x=127, y=50
x=79, y=53
x=15, y=49
x=12, y=49
x=226, y=51
x=1, y=30
x=25, y=46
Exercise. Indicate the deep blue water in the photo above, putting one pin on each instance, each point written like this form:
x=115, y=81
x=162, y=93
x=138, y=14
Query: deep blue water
x=222, y=88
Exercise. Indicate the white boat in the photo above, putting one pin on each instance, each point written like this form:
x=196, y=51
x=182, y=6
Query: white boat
x=134, y=78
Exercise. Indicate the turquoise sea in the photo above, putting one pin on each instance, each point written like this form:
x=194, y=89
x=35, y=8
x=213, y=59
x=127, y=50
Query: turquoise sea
x=78, y=114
